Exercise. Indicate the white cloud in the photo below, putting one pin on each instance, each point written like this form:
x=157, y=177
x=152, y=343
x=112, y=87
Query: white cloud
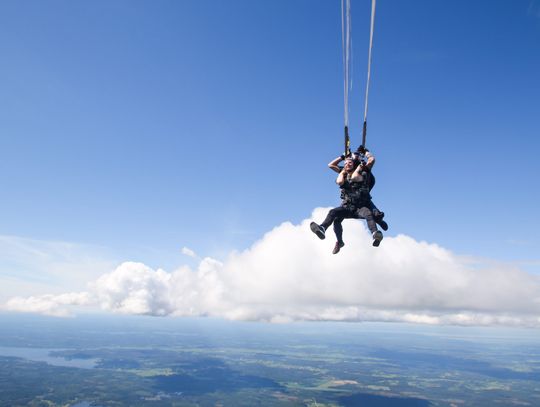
x=54, y=305
x=188, y=252
x=291, y=275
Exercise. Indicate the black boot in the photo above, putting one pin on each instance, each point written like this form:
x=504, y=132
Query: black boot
x=377, y=237
x=338, y=247
x=378, y=216
x=318, y=230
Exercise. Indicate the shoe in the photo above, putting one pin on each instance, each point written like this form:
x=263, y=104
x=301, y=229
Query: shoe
x=382, y=224
x=338, y=247
x=318, y=230
x=377, y=237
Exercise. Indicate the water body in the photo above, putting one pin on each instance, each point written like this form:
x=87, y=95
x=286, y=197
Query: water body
x=372, y=400
x=44, y=355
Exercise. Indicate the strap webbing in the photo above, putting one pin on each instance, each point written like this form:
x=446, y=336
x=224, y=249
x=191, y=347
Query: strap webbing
x=347, y=65
x=364, y=128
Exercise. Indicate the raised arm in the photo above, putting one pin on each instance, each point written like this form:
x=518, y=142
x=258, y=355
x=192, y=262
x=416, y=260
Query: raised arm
x=333, y=165
x=370, y=159
x=366, y=155
x=342, y=177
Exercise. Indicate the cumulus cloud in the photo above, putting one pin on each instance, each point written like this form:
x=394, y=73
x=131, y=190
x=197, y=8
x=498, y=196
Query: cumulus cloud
x=188, y=252
x=289, y=274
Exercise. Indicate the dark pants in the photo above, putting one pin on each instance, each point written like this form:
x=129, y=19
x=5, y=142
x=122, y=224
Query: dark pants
x=338, y=227
x=337, y=215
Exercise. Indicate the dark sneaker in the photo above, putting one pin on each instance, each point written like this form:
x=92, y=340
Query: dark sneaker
x=377, y=237
x=338, y=247
x=318, y=230
x=382, y=224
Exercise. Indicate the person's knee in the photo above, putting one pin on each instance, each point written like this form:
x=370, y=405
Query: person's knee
x=365, y=213
x=333, y=212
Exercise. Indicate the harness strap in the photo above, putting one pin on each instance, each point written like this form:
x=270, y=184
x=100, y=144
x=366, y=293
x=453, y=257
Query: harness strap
x=347, y=142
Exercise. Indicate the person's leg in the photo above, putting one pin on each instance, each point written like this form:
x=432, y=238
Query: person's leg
x=365, y=213
x=376, y=212
x=339, y=212
x=338, y=230
x=378, y=215
x=320, y=230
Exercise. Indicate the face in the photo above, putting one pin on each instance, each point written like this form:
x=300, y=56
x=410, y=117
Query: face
x=349, y=165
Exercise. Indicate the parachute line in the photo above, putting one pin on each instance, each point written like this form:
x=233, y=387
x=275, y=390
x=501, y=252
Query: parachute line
x=346, y=44
x=372, y=27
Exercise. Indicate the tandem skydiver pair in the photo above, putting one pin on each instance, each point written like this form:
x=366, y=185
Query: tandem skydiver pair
x=355, y=180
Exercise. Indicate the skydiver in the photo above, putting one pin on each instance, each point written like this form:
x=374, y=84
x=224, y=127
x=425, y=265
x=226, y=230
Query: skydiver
x=367, y=160
x=354, y=184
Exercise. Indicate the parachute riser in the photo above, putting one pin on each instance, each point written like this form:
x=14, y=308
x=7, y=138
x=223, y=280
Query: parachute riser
x=347, y=142
x=364, y=133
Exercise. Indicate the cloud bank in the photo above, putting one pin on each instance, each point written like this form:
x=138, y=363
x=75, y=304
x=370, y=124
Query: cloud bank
x=289, y=275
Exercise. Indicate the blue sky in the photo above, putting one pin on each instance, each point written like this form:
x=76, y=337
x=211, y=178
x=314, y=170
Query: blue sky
x=141, y=127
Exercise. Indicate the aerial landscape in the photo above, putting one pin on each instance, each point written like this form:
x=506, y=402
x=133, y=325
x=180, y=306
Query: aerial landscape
x=308, y=203
x=152, y=362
